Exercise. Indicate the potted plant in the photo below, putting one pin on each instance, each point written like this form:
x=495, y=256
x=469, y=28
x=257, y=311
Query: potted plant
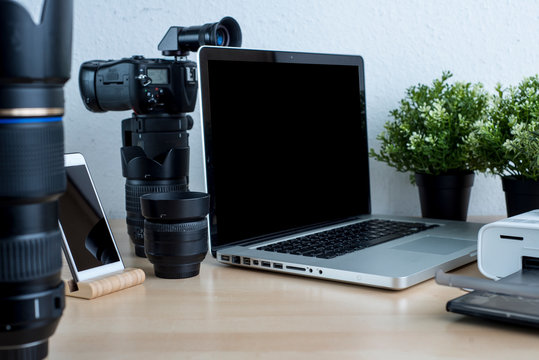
x=509, y=143
x=429, y=137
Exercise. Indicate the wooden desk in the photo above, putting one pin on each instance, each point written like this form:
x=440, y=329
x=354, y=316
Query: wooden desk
x=232, y=313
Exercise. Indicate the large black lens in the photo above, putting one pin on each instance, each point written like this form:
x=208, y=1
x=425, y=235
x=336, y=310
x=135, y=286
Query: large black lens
x=175, y=232
x=156, y=168
x=35, y=64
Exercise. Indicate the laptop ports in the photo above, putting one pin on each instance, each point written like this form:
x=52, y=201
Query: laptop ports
x=225, y=258
x=236, y=260
x=247, y=261
x=277, y=266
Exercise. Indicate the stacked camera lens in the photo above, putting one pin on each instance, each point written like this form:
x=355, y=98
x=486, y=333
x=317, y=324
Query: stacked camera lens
x=35, y=64
x=176, y=232
x=155, y=159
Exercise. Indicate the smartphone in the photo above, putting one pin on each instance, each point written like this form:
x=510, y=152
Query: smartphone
x=88, y=242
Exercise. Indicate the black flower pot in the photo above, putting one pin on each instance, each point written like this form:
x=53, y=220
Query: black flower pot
x=521, y=195
x=445, y=196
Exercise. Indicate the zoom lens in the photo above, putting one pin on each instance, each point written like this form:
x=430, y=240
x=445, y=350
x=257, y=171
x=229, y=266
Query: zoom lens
x=34, y=66
x=175, y=232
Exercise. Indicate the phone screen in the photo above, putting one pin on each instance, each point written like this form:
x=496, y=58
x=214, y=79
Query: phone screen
x=83, y=222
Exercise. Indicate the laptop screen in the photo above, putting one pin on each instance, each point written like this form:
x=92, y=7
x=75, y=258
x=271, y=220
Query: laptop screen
x=285, y=141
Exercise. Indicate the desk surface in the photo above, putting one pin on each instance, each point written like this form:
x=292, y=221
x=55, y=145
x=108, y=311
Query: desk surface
x=232, y=313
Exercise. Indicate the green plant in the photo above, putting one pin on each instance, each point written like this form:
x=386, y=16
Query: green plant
x=509, y=140
x=431, y=128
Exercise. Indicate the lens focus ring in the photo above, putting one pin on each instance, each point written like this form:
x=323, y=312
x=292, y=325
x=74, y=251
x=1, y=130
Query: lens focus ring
x=133, y=192
x=28, y=257
x=177, y=227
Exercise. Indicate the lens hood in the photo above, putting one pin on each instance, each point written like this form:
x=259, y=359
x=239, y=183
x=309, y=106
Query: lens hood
x=174, y=206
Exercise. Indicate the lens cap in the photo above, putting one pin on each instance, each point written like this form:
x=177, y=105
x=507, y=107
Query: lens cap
x=175, y=206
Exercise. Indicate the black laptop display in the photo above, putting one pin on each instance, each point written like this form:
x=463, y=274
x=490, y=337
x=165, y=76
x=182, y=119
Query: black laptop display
x=308, y=173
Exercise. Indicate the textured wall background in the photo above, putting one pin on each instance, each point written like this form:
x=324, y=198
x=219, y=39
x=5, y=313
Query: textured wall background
x=403, y=43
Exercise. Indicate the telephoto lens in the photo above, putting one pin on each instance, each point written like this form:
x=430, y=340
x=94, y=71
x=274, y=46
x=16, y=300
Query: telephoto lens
x=34, y=66
x=175, y=232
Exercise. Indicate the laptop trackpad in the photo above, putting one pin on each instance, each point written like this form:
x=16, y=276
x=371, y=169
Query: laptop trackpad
x=435, y=245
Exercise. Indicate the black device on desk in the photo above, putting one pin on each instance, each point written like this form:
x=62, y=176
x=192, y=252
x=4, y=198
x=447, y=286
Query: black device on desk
x=513, y=299
x=88, y=243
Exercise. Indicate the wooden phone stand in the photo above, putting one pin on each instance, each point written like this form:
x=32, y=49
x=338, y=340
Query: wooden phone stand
x=104, y=285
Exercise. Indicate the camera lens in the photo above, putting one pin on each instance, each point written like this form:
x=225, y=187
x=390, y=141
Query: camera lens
x=175, y=232
x=154, y=169
x=33, y=70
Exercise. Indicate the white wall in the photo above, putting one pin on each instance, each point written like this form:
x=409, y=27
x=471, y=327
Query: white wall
x=403, y=43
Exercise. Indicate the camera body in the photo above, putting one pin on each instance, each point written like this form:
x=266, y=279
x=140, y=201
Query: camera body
x=147, y=86
x=160, y=92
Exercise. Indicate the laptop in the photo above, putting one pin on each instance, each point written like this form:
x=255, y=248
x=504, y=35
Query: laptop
x=287, y=170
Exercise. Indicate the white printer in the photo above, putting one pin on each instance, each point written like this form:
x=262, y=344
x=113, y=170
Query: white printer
x=504, y=245
x=508, y=252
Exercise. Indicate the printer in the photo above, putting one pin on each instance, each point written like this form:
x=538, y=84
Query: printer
x=508, y=253
x=506, y=246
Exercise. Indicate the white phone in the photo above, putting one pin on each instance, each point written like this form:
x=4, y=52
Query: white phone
x=88, y=243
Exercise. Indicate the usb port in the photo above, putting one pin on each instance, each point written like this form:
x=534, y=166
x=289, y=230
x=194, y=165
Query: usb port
x=266, y=263
x=225, y=257
x=277, y=266
x=246, y=261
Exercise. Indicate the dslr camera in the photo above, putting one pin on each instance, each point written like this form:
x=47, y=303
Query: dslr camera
x=160, y=92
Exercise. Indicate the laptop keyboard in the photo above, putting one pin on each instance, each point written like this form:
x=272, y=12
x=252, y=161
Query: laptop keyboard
x=340, y=241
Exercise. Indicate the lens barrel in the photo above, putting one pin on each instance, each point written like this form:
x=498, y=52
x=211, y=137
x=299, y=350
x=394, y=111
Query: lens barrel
x=35, y=64
x=154, y=160
x=175, y=232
